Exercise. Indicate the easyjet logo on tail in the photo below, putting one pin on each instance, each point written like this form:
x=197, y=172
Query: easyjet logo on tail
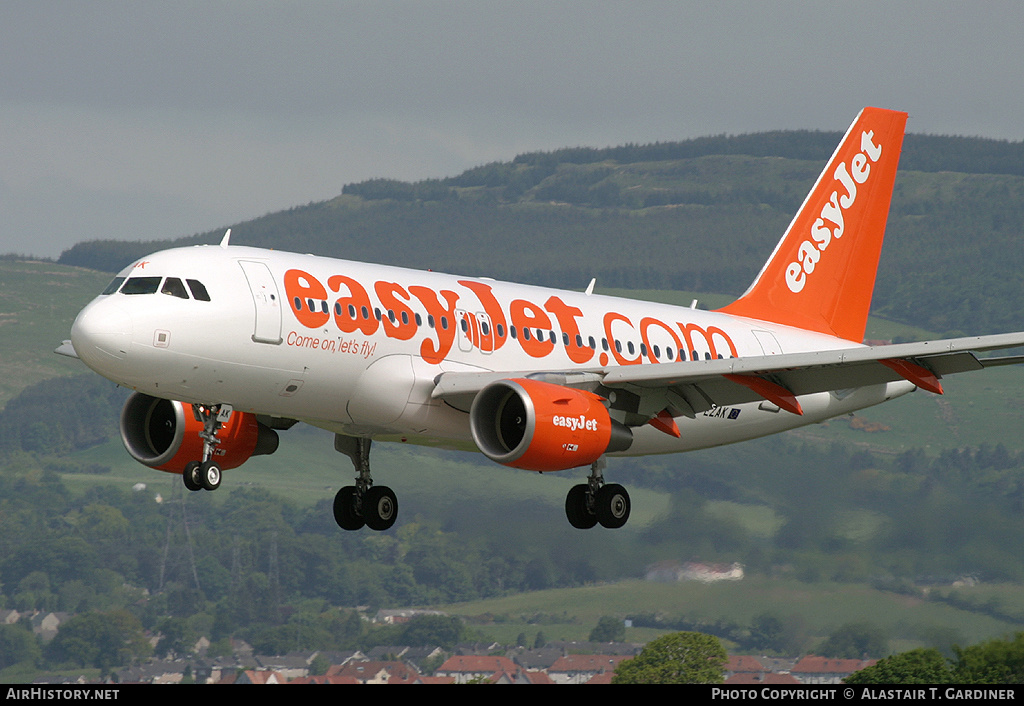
x=822, y=273
x=830, y=224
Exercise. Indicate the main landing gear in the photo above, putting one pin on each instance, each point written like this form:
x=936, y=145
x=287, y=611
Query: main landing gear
x=206, y=474
x=593, y=502
x=363, y=503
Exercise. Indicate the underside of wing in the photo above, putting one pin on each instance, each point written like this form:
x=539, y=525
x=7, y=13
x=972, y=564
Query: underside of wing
x=645, y=392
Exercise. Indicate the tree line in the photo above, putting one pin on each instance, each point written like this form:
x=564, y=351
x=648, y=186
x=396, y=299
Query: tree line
x=950, y=514
x=250, y=557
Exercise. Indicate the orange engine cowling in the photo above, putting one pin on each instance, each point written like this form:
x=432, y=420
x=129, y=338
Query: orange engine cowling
x=164, y=434
x=539, y=426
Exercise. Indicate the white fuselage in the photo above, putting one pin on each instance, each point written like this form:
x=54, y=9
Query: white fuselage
x=356, y=348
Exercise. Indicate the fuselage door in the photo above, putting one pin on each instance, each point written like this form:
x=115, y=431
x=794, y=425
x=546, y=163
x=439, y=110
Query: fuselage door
x=466, y=323
x=486, y=332
x=267, y=302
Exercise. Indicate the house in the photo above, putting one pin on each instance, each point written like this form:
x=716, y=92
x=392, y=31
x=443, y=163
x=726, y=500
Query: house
x=478, y=648
x=324, y=680
x=369, y=672
x=501, y=677
x=530, y=676
x=46, y=625
x=155, y=672
x=710, y=573
x=580, y=669
x=742, y=663
x=537, y=659
x=437, y=680
x=290, y=666
x=397, y=617
x=824, y=670
x=258, y=676
x=386, y=652
x=761, y=678
x=743, y=669
x=344, y=656
x=416, y=656
x=671, y=572
x=467, y=668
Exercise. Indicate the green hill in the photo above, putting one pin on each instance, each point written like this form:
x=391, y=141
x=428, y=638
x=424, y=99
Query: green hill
x=698, y=215
x=868, y=517
x=38, y=302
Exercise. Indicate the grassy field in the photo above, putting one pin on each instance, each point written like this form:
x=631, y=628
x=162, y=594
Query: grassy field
x=457, y=492
x=819, y=608
x=38, y=303
x=981, y=408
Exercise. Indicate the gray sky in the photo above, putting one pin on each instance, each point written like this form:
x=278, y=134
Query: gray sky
x=142, y=120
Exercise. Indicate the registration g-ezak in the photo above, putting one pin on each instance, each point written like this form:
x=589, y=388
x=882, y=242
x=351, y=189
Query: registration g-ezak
x=227, y=346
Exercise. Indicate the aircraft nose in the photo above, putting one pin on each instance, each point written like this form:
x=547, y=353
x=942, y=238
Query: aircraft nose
x=102, y=334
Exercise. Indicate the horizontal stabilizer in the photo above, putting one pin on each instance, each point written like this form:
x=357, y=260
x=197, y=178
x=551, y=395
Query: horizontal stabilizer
x=66, y=349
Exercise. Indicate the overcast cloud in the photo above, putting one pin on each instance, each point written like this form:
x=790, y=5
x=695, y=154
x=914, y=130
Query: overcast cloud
x=141, y=120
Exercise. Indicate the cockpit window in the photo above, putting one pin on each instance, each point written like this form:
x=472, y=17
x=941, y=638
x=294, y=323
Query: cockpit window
x=141, y=285
x=198, y=290
x=150, y=285
x=114, y=285
x=174, y=287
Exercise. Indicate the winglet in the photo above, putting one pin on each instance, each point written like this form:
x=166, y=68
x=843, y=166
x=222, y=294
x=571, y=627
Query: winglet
x=822, y=273
x=224, y=241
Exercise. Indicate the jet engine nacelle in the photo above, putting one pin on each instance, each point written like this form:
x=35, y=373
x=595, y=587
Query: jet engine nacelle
x=164, y=434
x=539, y=426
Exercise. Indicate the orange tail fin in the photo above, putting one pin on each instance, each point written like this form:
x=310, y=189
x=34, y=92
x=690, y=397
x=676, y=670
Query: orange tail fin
x=822, y=273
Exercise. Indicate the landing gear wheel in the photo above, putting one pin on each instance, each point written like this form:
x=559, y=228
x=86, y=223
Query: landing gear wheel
x=191, y=476
x=209, y=475
x=345, y=509
x=380, y=507
x=612, y=506
x=576, y=508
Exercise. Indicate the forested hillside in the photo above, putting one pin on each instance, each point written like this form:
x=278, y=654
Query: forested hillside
x=890, y=508
x=697, y=215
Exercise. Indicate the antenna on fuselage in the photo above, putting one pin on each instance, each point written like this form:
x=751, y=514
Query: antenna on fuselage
x=224, y=241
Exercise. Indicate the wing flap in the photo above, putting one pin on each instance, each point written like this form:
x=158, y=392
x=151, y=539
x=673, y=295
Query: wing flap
x=1004, y=360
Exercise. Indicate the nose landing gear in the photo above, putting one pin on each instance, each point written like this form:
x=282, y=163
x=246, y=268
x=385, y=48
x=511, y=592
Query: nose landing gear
x=206, y=474
x=202, y=476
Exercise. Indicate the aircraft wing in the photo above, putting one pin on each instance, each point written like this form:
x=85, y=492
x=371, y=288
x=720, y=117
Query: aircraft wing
x=692, y=387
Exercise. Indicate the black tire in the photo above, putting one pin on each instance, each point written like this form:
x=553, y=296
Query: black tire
x=576, y=508
x=612, y=506
x=191, y=477
x=380, y=508
x=345, y=509
x=209, y=475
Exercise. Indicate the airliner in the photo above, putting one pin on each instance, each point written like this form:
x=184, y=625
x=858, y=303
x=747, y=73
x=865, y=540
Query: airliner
x=224, y=346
